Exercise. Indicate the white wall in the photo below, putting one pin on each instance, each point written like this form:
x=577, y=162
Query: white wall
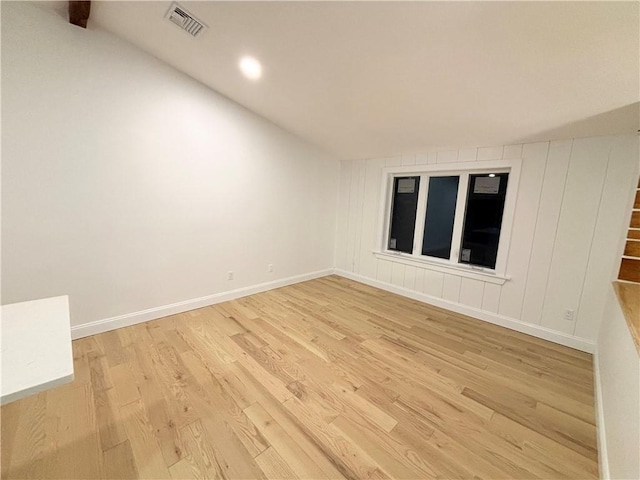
x=618, y=369
x=128, y=186
x=570, y=208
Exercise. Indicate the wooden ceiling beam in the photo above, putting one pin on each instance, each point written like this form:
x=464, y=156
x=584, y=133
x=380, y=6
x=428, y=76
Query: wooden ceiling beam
x=79, y=12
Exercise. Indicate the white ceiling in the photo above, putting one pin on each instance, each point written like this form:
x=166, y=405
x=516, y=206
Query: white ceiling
x=364, y=79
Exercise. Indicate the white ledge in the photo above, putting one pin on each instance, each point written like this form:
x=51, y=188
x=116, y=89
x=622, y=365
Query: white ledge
x=459, y=270
x=36, y=347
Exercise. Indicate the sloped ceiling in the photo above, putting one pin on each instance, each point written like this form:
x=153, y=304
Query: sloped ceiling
x=363, y=79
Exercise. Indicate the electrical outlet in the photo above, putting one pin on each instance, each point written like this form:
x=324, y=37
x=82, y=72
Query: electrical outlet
x=230, y=275
x=270, y=267
x=568, y=314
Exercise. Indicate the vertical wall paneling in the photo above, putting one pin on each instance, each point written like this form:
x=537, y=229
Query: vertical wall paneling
x=370, y=225
x=419, y=282
x=583, y=191
x=343, y=215
x=568, y=208
x=397, y=274
x=599, y=272
x=491, y=153
x=410, y=277
x=534, y=156
x=512, y=151
x=471, y=292
x=384, y=271
x=451, y=287
x=393, y=162
x=433, y=283
x=546, y=227
x=468, y=155
x=449, y=156
x=359, y=213
x=422, y=159
x=491, y=297
x=408, y=160
x=355, y=203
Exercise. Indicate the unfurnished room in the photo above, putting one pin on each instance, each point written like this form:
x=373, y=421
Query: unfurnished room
x=320, y=240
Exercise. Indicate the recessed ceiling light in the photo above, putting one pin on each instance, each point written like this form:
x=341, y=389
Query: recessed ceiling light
x=250, y=67
x=492, y=175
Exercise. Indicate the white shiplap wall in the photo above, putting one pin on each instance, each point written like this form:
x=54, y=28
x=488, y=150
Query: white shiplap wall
x=571, y=206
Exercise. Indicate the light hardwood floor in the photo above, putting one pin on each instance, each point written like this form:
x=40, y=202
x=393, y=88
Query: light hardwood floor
x=324, y=379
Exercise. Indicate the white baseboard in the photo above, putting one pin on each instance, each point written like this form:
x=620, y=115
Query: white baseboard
x=603, y=456
x=578, y=343
x=107, y=324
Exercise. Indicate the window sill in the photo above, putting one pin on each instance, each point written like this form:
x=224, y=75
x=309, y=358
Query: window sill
x=459, y=270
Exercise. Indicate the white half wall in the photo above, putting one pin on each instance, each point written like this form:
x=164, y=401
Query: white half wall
x=617, y=367
x=564, y=251
x=129, y=186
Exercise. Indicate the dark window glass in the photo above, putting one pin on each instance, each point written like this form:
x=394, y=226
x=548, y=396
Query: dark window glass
x=483, y=219
x=441, y=212
x=403, y=213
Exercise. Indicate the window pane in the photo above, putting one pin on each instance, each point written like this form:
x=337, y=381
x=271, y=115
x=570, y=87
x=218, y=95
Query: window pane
x=403, y=213
x=483, y=219
x=441, y=211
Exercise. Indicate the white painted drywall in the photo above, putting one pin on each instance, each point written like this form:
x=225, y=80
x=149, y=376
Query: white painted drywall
x=619, y=395
x=127, y=185
x=564, y=250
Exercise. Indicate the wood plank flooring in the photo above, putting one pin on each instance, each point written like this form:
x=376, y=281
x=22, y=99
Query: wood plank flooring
x=324, y=379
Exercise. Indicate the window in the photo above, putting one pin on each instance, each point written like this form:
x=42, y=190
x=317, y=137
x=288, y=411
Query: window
x=453, y=217
x=403, y=217
x=483, y=219
x=441, y=212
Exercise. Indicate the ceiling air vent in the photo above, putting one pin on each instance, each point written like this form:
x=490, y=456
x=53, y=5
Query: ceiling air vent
x=185, y=20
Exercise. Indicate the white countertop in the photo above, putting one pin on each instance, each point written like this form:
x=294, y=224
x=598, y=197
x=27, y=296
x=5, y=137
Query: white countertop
x=35, y=338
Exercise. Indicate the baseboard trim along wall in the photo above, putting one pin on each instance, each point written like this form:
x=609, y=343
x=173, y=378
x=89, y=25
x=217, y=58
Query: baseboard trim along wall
x=603, y=457
x=578, y=343
x=107, y=324
x=113, y=323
